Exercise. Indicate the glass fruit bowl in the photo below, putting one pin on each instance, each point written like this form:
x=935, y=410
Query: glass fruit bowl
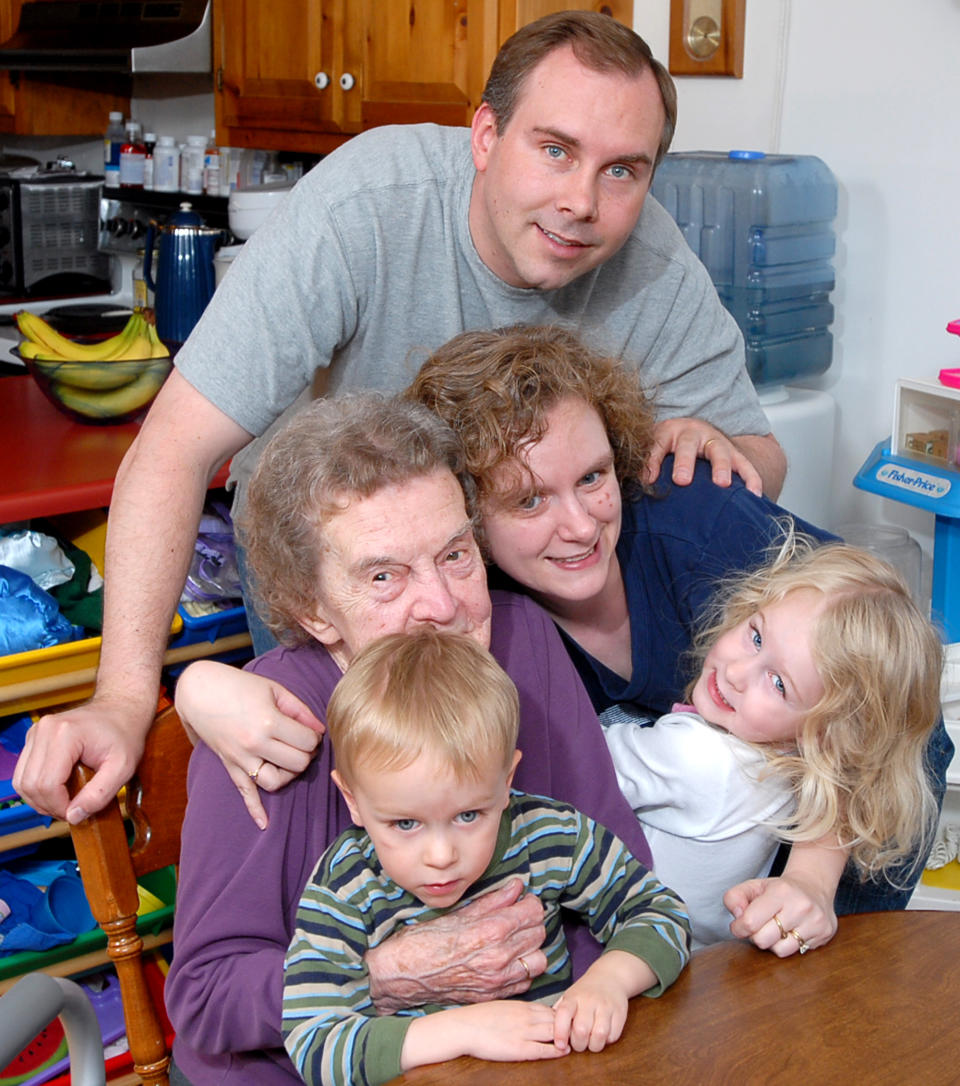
x=99, y=392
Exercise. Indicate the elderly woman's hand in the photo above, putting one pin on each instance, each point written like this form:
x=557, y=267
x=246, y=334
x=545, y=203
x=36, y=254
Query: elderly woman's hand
x=264, y=735
x=489, y=949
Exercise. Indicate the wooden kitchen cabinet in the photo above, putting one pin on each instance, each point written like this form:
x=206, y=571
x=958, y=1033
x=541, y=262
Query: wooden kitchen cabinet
x=67, y=105
x=305, y=75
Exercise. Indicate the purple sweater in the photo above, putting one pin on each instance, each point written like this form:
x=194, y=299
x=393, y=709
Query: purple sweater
x=239, y=886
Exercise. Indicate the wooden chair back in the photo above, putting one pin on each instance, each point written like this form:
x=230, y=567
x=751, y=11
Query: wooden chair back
x=110, y=865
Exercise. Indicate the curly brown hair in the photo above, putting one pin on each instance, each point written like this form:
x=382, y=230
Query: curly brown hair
x=495, y=389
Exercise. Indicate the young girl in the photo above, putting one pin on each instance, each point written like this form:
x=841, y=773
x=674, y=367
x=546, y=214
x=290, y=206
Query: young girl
x=817, y=693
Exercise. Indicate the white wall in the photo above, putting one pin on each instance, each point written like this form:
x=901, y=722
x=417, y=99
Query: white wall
x=871, y=87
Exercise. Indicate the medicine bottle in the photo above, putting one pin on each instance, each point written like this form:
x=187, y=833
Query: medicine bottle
x=149, y=143
x=132, y=154
x=211, y=166
x=191, y=165
x=166, y=165
x=113, y=140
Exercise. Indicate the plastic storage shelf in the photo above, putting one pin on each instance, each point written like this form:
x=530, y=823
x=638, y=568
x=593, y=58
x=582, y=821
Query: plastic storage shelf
x=52, y=676
x=211, y=627
x=162, y=884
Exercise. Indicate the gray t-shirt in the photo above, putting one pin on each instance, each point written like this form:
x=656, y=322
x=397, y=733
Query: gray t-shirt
x=369, y=265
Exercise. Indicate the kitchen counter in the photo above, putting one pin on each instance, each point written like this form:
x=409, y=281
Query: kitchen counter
x=54, y=465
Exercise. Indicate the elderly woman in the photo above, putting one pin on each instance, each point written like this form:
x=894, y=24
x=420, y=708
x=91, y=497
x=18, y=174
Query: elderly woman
x=357, y=526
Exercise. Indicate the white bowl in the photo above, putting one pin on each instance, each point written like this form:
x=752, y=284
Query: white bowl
x=247, y=208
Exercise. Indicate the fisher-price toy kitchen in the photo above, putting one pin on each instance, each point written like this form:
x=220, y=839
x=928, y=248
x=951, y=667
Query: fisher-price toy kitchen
x=920, y=465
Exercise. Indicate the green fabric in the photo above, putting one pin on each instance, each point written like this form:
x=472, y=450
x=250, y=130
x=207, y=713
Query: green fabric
x=76, y=604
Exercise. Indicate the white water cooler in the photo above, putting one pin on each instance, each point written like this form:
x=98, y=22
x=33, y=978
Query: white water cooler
x=763, y=225
x=803, y=420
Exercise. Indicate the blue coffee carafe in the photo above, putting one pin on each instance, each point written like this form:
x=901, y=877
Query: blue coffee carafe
x=185, y=275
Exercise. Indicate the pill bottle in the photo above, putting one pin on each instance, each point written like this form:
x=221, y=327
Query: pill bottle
x=149, y=145
x=113, y=140
x=191, y=165
x=132, y=154
x=166, y=165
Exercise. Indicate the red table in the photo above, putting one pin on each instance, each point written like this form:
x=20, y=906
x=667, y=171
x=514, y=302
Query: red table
x=51, y=464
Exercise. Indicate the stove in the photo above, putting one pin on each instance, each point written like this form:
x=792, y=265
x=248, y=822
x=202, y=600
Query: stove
x=78, y=314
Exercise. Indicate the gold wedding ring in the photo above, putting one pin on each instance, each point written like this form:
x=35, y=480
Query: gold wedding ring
x=526, y=968
x=707, y=444
x=804, y=947
x=779, y=923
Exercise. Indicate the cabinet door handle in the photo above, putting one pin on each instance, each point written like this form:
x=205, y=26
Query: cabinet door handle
x=321, y=81
x=347, y=81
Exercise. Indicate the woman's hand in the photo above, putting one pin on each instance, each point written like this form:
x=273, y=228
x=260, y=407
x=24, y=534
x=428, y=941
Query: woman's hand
x=264, y=735
x=794, y=912
x=785, y=915
x=470, y=955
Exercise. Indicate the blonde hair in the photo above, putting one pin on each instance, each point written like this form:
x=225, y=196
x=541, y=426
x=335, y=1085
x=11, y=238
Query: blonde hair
x=859, y=769
x=423, y=693
x=495, y=389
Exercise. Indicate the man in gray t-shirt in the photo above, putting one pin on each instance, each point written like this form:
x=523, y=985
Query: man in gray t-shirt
x=395, y=242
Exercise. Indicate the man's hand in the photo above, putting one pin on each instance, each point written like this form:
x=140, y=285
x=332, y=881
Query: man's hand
x=253, y=724
x=105, y=734
x=468, y=956
x=757, y=459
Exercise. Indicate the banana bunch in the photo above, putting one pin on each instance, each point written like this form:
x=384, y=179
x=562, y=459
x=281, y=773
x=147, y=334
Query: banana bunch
x=109, y=381
x=137, y=339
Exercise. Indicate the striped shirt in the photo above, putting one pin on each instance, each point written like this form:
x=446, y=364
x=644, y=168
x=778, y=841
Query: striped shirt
x=330, y=1026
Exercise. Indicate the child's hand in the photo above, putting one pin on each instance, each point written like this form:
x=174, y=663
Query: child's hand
x=591, y=1012
x=500, y=1030
x=588, y=1016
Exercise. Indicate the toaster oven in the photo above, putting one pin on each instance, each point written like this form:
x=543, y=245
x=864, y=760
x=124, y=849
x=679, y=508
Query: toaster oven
x=49, y=226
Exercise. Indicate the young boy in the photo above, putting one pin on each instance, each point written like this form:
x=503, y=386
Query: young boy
x=424, y=730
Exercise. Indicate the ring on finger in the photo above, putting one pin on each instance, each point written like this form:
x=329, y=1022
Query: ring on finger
x=254, y=773
x=707, y=444
x=526, y=968
x=783, y=931
x=804, y=946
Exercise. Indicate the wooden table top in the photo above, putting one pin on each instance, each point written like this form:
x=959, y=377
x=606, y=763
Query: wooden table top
x=878, y=1005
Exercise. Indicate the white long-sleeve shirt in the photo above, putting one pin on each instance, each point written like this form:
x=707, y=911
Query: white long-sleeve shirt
x=706, y=801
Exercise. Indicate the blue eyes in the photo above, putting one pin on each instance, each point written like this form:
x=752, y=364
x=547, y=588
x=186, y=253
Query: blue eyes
x=406, y=825
x=757, y=641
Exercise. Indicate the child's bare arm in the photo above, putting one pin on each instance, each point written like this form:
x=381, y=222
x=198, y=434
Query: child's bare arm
x=591, y=1012
x=499, y=1030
